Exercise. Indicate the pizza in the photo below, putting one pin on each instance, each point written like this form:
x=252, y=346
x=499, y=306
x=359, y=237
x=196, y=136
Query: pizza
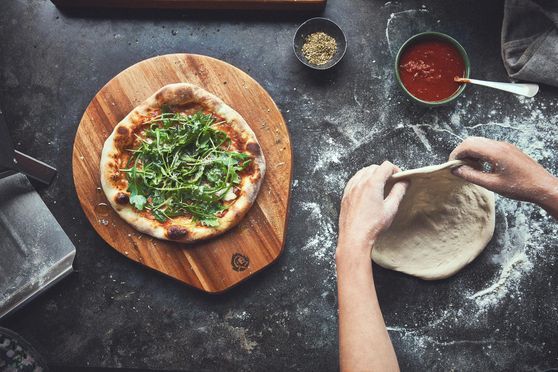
x=182, y=166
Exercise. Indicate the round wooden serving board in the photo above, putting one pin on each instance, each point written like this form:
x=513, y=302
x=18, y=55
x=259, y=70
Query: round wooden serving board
x=214, y=265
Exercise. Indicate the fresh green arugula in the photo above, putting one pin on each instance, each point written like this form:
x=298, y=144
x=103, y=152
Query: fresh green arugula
x=183, y=166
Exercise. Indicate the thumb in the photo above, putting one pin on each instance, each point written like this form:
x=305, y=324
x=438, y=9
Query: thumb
x=394, y=197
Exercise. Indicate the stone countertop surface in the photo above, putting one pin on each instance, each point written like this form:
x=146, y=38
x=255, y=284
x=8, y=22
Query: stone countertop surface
x=499, y=313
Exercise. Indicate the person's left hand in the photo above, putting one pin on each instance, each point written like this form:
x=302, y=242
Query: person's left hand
x=364, y=211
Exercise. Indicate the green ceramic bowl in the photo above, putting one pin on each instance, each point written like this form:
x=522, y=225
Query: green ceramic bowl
x=440, y=36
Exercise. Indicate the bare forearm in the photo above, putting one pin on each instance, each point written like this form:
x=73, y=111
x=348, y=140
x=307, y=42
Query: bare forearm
x=549, y=197
x=364, y=343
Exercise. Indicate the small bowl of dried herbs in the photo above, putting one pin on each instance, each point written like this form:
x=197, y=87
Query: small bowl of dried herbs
x=319, y=43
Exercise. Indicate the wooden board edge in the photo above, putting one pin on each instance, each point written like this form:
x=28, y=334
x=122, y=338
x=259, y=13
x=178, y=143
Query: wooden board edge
x=285, y=5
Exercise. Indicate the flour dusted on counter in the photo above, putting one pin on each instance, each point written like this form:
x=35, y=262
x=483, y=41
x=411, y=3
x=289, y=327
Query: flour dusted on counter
x=322, y=244
x=509, y=277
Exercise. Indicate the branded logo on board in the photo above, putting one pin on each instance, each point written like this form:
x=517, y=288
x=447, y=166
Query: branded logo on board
x=239, y=262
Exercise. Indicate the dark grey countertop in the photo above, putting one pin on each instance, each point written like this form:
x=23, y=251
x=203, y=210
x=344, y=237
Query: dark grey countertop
x=499, y=313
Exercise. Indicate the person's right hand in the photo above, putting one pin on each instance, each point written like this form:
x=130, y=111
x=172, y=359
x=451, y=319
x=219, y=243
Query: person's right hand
x=514, y=174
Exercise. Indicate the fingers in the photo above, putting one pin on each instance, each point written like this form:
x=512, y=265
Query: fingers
x=477, y=148
x=385, y=171
x=395, y=196
x=358, y=177
x=382, y=175
x=372, y=175
x=478, y=177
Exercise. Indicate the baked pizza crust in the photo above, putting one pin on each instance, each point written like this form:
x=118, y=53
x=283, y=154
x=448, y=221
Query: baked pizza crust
x=182, y=228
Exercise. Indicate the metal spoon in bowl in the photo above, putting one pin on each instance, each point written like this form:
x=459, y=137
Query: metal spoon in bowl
x=527, y=90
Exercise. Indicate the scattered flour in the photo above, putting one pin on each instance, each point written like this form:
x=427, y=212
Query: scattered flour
x=322, y=244
x=332, y=154
x=240, y=315
x=512, y=271
x=408, y=13
x=513, y=258
x=241, y=334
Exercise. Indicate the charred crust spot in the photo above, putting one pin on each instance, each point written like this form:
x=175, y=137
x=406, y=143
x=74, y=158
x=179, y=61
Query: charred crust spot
x=160, y=96
x=185, y=94
x=180, y=95
x=121, y=198
x=253, y=148
x=176, y=232
x=123, y=137
x=122, y=131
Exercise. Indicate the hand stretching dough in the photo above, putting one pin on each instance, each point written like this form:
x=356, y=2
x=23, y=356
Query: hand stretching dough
x=442, y=224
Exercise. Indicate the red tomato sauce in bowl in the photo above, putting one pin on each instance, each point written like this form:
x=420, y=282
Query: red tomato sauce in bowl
x=427, y=68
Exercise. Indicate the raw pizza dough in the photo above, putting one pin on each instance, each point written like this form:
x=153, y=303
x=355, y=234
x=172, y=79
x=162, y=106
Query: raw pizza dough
x=442, y=224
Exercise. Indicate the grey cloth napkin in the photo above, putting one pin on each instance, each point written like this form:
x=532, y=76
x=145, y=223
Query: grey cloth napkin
x=530, y=40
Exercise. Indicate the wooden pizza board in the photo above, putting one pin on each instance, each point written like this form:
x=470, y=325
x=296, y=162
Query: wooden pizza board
x=302, y=5
x=214, y=265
